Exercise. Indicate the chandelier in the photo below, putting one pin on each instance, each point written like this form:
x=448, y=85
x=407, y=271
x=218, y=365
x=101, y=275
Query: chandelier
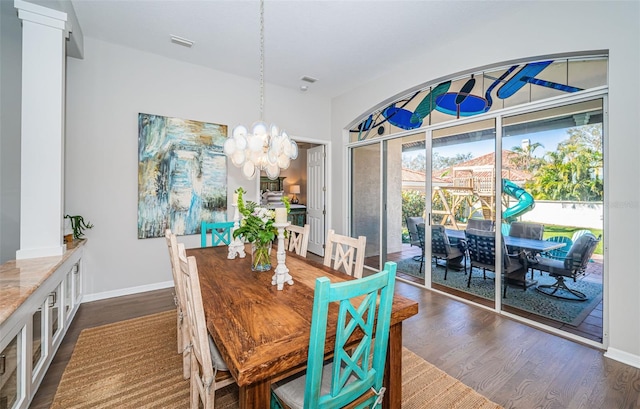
x=265, y=148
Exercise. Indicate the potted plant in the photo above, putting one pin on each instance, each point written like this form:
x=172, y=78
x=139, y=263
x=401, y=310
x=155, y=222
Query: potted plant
x=78, y=225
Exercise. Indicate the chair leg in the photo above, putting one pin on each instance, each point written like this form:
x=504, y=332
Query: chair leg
x=446, y=268
x=559, y=285
x=469, y=279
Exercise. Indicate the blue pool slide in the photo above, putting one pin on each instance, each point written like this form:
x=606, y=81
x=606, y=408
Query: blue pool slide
x=525, y=201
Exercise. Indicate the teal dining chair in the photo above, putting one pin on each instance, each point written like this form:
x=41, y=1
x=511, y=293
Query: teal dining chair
x=355, y=373
x=220, y=233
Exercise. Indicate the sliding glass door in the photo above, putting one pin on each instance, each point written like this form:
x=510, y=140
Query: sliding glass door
x=555, y=157
x=462, y=196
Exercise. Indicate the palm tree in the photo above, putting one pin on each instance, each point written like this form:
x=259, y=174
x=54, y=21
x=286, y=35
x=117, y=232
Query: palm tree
x=525, y=159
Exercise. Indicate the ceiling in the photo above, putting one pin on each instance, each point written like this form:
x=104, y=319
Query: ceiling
x=341, y=43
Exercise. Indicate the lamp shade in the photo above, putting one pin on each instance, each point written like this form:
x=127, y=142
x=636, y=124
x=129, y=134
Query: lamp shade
x=294, y=189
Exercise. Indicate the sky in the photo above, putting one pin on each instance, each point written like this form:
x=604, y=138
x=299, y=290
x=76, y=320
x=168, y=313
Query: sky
x=549, y=139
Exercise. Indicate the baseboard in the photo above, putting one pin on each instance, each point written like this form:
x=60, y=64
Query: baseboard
x=126, y=291
x=624, y=357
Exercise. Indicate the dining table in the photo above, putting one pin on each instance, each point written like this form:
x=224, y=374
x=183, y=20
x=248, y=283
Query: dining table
x=263, y=333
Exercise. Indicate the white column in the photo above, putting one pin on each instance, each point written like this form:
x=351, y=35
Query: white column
x=44, y=33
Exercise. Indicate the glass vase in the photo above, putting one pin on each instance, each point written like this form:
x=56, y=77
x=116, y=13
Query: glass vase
x=261, y=256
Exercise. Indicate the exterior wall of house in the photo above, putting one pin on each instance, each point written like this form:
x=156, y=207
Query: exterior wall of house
x=611, y=26
x=105, y=92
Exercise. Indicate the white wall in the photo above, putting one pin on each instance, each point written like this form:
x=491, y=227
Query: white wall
x=576, y=214
x=11, y=91
x=105, y=92
x=537, y=29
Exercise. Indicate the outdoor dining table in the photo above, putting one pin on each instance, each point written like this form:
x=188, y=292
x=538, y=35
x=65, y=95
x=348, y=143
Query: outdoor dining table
x=263, y=333
x=536, y=246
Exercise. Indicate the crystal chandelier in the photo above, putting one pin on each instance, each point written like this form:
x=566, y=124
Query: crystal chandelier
x=264, y=148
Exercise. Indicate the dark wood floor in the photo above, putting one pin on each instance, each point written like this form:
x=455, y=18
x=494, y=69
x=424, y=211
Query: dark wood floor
x=511, y=363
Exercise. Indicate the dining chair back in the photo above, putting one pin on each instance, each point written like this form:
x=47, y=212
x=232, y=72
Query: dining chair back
x=442, y=249
x=298, y=239
x=526, y=230
x=179, y=300
x=209, y=371
x=481, y=247
x=220, y=233
x=480, y=224
x=347, y=252
x=356, y=371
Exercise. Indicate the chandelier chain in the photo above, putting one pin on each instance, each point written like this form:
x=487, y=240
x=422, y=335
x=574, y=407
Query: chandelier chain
x=262, y=60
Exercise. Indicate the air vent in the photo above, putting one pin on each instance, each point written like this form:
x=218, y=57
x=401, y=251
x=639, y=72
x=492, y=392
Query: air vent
x=310, y=80
x=181, y=41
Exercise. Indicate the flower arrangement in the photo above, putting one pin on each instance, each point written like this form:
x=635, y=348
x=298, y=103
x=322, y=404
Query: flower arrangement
x=257, y=228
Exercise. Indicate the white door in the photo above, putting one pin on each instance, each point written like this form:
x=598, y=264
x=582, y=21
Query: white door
x=315, y=199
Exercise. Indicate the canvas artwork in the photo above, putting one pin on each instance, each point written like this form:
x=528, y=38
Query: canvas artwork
x=182, y=175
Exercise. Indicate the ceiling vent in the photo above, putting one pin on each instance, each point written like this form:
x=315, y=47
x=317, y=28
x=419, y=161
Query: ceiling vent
x=181, y=41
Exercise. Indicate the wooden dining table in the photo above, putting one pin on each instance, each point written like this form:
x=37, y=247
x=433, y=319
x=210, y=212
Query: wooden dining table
x=263, y=333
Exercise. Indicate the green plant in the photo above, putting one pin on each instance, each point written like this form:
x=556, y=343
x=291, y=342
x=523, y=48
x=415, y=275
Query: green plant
x=78, y=225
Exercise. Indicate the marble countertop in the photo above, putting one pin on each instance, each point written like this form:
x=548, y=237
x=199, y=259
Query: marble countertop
x=20, y=278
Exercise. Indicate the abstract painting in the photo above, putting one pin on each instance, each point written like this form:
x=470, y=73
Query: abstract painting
x=182, y=175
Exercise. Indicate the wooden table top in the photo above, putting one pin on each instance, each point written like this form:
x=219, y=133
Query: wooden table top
x=261, y=332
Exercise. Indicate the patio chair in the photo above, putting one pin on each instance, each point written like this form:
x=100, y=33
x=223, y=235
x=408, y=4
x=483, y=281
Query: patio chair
x=480, y=224
x=526, y=230
x=412, y=222
x=572, y=266
x=353, y=378
x=441, y=248
x=421, y=240
x=561, y=253
x=481, y=247
x=578, y=233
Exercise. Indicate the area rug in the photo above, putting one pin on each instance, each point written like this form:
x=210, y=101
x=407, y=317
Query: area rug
x=133, y=364
x=565, y=311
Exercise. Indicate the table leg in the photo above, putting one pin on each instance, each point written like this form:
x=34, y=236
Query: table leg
x=255, y=396
x=393, y=369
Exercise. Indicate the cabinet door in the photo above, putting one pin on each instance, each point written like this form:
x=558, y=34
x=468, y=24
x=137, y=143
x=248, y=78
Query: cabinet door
x=77, y=283
x=55, y=313
x=68, y=294
x=9, y=374
x=38, y=338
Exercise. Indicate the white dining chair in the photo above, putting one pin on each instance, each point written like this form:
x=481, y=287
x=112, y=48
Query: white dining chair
x=179, y=300
x=298, y=239
x=209, y=371
x=347, y=253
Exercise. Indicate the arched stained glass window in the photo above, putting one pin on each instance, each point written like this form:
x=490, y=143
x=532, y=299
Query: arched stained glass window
x=481, y=92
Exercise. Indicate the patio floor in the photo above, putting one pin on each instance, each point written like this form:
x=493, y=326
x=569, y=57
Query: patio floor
x=590, y=328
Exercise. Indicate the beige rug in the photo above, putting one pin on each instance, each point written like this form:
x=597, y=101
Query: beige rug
x=134, y=364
